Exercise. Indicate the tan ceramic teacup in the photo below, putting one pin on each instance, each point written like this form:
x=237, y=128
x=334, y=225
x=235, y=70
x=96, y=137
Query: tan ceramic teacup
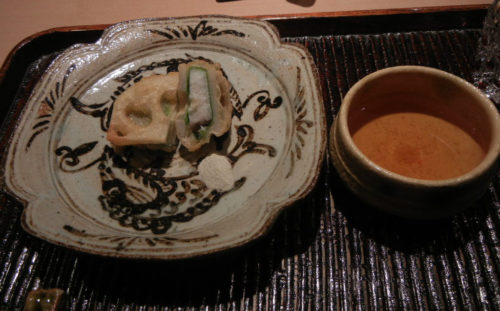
x=416, y=141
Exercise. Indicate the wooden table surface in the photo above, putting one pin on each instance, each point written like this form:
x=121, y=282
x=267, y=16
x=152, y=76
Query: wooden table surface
x=22, y=18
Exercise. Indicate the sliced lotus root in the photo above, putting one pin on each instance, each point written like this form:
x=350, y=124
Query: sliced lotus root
x=143, y=115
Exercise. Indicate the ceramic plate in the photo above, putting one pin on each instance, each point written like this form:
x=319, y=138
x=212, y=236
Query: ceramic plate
x=83, y=194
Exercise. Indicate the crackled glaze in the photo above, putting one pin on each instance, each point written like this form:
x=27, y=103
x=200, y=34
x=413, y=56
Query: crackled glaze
x=83, y=194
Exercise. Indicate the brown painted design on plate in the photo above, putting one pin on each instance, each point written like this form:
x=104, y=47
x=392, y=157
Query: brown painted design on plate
x=144, y=198
x=200, y=30
x=122, y=242
x=42, y=122
x=301, y=124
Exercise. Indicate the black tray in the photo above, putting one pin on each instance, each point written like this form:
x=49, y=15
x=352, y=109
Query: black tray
x=327, y=252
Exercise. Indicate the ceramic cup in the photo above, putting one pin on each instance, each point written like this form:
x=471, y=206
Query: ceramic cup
x=419, y=91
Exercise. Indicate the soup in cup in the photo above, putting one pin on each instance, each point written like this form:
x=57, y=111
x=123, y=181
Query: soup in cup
x=416, y=141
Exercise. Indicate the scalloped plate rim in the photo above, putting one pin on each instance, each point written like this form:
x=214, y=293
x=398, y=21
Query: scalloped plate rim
x=272, y=213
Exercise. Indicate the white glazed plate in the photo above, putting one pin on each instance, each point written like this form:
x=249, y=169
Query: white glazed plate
x=80, y=193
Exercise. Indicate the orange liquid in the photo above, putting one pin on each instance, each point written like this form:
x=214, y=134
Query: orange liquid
x=418, y=145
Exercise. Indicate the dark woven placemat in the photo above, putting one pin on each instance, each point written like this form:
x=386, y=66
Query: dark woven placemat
x=327, y=252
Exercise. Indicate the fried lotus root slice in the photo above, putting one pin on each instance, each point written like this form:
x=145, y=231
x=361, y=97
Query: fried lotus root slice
x=205, y=107
x=144, y=114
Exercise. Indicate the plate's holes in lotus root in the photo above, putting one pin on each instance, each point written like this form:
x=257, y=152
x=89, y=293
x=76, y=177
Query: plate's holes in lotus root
x=167, y=104
x=139, y=117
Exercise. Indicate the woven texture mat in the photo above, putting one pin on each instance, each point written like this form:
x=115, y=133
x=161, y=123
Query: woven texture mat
x=326, y=252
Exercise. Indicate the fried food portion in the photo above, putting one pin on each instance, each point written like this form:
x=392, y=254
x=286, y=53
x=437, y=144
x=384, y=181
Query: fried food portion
x=205, y=108
x=191, y=106
x=52, y=299
x=143, y=115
